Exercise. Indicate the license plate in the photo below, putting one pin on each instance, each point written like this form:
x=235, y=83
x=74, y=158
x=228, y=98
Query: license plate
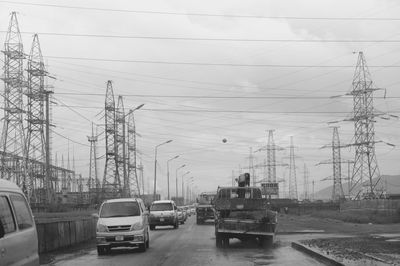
x=161, y=219
x=119, y=238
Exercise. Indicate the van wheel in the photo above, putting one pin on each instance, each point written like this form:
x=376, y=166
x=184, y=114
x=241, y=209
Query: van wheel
x=148, y=241
x=152, y=227
x=142, y=247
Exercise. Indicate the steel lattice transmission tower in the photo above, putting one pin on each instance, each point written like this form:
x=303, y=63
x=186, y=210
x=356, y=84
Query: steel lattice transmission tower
x=111, y=186
x=337, y=190
x=292, y=172
x=365, y=170
x=39, y=180
x=132, y=156
x=121, y=146
x=93, y=181
x=13, y=137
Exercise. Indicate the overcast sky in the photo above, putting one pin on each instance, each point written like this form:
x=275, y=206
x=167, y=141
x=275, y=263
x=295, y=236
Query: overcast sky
x=241, y=69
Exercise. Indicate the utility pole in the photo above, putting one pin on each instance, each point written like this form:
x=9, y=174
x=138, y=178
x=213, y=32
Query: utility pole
x=292, y=173
x=305, y=184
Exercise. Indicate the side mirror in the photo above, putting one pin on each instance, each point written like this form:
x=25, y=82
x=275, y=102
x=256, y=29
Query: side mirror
x=2, y=233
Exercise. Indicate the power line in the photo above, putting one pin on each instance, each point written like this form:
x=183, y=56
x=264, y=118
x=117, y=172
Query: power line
x=210, y=64
x=206, y=14
x=219, y=97
x=208, y=39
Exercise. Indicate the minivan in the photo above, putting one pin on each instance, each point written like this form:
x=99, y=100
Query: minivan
x=18, y=236
x=163, y=212
x=122, y=223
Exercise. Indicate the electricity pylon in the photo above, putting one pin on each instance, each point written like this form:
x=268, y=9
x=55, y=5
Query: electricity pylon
x=13, y=150
x=121, y=146
x=93, y=182
x=365, y=170
x=132, y=156
x=337, y=189
x=111, y=186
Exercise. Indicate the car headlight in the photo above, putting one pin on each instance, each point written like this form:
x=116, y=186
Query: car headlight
x=137, y=226
x=101, y=228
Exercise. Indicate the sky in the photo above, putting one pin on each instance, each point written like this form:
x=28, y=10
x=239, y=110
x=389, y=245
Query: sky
x=212, y=70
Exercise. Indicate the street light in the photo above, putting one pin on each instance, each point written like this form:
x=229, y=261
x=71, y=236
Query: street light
x=188, y=189
x=155, y=167
x=183, y=194
x=168, y=171
x=176, y=179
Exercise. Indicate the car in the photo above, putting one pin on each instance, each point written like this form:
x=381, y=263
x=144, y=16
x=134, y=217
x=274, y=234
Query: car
x=122, y=223
x=185, y=214
x=163, y=212
x=181, y=215
x=18, y=235
x=187, y=209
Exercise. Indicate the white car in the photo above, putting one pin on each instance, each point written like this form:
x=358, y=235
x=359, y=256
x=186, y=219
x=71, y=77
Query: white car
x=163, y=212
x=122, y=223
x=18, y=236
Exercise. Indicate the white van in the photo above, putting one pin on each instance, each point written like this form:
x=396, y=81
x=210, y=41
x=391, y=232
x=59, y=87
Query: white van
x=18, y=236
x=122, y=222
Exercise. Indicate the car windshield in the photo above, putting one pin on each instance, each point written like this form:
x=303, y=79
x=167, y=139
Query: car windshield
x=161, y=207
x=119, y=209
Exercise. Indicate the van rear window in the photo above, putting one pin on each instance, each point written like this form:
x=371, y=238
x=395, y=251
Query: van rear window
x=119, y=209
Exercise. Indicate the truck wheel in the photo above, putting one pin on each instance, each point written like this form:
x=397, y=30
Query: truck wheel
x=267, y=241
x=225, y=242
x=199, y=221
x=218, y=240
x=152, y=227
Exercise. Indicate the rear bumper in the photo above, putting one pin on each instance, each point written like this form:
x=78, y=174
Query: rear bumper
x=162, y=221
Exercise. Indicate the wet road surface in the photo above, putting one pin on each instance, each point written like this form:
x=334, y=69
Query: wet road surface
x=192, y=245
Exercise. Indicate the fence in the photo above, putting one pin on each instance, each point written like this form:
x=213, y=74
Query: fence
x=382, y=206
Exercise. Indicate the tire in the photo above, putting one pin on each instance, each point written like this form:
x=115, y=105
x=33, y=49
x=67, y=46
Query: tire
x=225, y=242
x=142, y=247
x=152, y=227
x=176, y=225
x=148, y=240
x=101, y=251
x=199, y=221
x=218, y=240
x=266, y=241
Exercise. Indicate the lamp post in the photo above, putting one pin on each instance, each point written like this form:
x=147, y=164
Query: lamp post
x=176, y=179
x=189, y=189
x=168, y=171
x=183, y=192
x=155, y=167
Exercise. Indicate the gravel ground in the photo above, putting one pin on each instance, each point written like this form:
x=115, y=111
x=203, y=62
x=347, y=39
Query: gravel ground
x=364, y=244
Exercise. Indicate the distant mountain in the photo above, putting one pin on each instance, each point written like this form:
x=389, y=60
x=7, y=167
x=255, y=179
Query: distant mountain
x=390, y=182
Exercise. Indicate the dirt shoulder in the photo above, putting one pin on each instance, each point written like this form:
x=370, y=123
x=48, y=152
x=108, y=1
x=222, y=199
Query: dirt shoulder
x=296, y=223
x=364, y=244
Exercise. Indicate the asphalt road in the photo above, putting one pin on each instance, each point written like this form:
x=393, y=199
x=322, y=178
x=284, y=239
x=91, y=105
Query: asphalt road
x=192, y=245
